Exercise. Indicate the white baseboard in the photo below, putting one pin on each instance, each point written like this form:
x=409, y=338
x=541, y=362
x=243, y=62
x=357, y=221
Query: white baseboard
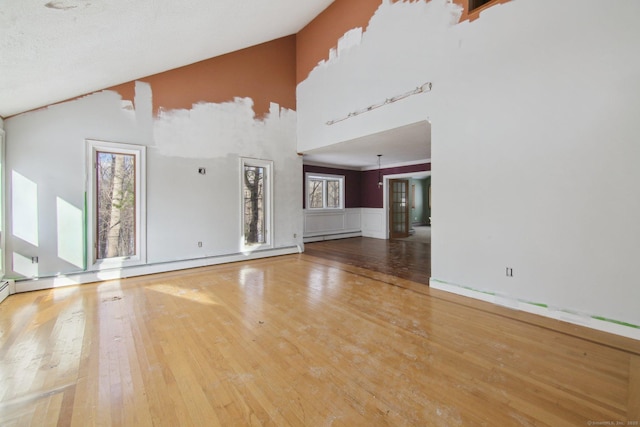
x=141, y=270
x=334, y=236
x=582, y=319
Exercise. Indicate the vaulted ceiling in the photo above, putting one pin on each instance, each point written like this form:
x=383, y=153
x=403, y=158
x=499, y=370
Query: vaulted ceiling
x=53, y=50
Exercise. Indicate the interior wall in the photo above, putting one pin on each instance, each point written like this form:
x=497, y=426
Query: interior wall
x=317, y=38
x=46, y=168
x=533, y=140
x=264, y=73
x=418, y=202
x=372, y=195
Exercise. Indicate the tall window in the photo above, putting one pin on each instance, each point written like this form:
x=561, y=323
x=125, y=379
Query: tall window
x=117, y=200
x=256, y=203
x=324, y=191
x=116, y=204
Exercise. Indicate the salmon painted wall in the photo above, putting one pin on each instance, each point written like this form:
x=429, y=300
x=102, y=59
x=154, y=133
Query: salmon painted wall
x=265, y=73
x=315, y=40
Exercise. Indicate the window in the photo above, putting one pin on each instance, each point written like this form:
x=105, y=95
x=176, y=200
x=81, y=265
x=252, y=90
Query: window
x=474, y=4
x=116, y=197
x=324, y=191
x=256, y=203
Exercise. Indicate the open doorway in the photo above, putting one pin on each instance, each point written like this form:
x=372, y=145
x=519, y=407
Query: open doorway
x=365, y=233
x=408, y=206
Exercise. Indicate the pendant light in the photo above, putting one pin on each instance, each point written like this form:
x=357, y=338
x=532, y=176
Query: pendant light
x=380, y=184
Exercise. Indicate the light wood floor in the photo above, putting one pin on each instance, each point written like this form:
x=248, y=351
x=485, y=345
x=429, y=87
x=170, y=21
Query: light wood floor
x=303, y=341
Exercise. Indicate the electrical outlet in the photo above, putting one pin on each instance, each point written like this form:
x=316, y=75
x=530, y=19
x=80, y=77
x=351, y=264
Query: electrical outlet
x=509, y=272
x=295, y=235
x=34, y=260
x=199, y=244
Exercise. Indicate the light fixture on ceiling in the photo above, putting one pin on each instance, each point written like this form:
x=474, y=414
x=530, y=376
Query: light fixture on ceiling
x=426, y=87
x=380, y=184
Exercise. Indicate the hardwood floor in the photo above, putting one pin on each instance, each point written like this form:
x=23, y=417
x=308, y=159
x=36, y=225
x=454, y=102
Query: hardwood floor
x=406, y=259
x=300, y=340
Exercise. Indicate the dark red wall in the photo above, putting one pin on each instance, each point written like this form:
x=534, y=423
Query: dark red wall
x=361, y=187
x=372, y=195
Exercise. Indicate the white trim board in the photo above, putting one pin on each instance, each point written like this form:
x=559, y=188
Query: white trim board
x=335, y=236
x=141, y=270
x=589, y=321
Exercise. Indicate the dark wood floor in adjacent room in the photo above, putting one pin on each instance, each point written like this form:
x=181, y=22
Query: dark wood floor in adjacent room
x=410, y=260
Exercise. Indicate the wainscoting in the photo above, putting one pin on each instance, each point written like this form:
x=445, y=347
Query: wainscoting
x=338, y=224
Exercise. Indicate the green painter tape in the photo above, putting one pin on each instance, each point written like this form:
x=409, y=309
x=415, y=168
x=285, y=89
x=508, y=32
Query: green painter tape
x=617, y=322
x=476, y=290
x=539, y=304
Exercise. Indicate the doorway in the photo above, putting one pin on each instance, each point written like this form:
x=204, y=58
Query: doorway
x=398, y=208
x=415, y=226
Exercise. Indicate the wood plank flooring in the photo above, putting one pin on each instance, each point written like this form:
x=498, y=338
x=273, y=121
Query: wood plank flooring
x=402, y=258
x=298, y=340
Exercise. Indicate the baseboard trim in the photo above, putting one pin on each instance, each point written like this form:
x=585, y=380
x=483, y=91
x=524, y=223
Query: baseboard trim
x=80, y=278
x=332, y=236
x=591, y=321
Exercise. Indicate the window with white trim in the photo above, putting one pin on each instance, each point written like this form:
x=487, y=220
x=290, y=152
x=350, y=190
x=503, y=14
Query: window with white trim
x=257, y=189
x=324, y=191
x=116, y=203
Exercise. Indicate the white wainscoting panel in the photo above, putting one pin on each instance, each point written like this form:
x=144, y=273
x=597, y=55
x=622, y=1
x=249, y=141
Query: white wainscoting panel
x=373, y=223
x=320, y=225
x=353, y=219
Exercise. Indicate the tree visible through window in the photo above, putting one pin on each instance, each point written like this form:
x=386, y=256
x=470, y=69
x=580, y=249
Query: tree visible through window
x=116, y=205
x=254, y=212
x=257, y=182
x=315, y=190
x=325, y=191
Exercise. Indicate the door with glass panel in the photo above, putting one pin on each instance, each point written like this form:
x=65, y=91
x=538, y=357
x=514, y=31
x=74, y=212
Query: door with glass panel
x=398, y=208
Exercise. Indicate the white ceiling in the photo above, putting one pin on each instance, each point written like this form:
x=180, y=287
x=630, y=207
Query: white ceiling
x=53, y=50
x=406, y=144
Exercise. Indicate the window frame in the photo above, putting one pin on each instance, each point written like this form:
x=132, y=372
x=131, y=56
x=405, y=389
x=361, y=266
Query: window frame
x=139, y=152
x=324, y=177
x=268, y=203
x=3, y=193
